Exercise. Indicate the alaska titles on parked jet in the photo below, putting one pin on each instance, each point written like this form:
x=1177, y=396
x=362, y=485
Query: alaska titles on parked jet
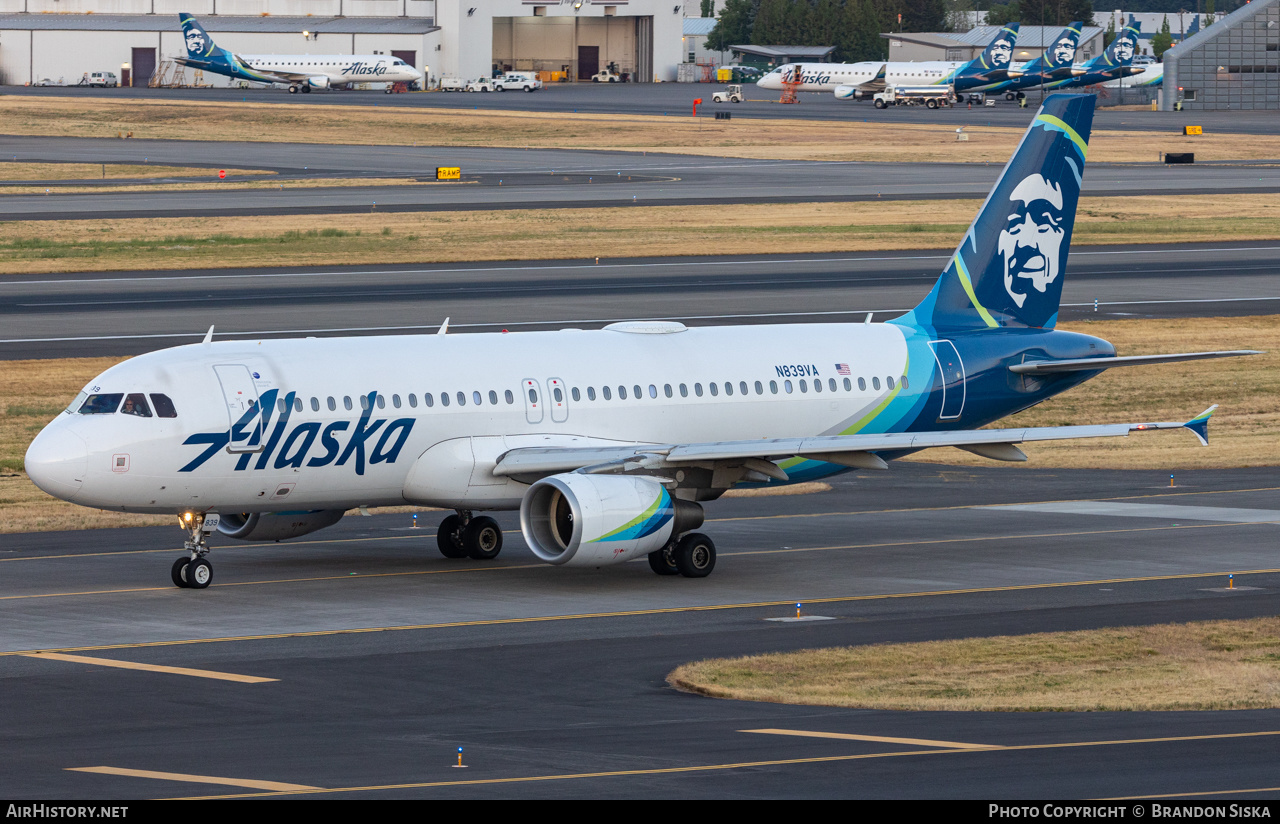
x=301, y=71
x=859, y=80
x=607, y=441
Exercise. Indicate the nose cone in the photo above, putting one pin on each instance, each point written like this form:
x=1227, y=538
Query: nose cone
x=57, y=461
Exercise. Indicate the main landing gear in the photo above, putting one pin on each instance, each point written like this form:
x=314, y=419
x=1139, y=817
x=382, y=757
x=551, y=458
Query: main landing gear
x=299, y=88
x=465, y=536
x=193, y=571
x=693, y=555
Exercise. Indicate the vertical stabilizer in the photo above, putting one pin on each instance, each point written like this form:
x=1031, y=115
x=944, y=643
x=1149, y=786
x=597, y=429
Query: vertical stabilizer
x=999, y=52
x=1062, y=54
x=1008, y=269
x=1123, y=48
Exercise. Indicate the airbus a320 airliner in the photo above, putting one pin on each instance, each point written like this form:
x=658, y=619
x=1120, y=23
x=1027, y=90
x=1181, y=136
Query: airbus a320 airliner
x=607, y=441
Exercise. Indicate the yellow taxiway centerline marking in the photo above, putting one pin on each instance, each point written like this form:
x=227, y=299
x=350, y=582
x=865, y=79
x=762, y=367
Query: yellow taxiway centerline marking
x=881, y=739
x=642, y=612
x=275, y=786
x=130, y=665
x=1191, y=795
x=743, y=553
x=772, y=763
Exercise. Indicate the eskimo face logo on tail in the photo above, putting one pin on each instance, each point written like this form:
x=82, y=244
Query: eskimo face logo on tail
x=1001, y=52
x=1124, y=49
x=1031, y=242
x=1064, y=51
x=195, y=41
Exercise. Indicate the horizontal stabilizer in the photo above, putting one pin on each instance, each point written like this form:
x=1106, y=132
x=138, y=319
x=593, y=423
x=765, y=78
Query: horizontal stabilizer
x=1090, y=364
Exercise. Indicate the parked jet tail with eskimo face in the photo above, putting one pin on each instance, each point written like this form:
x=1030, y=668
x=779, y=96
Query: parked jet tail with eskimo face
x=1115, y=61
x=301, y=72
x=610, y=441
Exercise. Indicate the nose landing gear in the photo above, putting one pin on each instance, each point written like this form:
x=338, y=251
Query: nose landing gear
x=193, y=571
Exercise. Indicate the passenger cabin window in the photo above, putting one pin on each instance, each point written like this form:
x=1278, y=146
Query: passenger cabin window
x=315, y=403
x=622, y=393
x=346, y=401
x=905, y=384
x=493, y=396
x=428, y=399
x=101, y=404
x=413, y=400
x=333, y=405
x=875, y=383
x=395, y=401
x=591, y=393
x=297, y=404
x=136, y=404
x=164, y=406
x=510, y=398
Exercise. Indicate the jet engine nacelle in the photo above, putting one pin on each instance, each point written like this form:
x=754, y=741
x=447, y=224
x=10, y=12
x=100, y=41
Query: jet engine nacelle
x=276, y=526
x=594, y=520
x=850, y=93
x=320, y=81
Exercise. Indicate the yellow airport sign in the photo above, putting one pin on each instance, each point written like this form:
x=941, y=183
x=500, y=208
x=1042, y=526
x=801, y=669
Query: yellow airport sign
x=1192, y=130
x=448, y=173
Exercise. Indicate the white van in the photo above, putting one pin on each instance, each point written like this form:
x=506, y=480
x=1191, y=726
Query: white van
x=106, y=80
x=528, y=81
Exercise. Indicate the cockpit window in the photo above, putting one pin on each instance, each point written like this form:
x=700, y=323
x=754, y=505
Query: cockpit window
x=164, y=406
x=101, y=404
x=136, y=404
x=74, y=406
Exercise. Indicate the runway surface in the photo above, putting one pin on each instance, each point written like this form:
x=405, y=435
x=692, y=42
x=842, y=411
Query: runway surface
x=383, y=657
x=676, y=100
x=125, y=313
x=517, y=178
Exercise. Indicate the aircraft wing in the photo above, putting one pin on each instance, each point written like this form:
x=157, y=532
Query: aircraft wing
x=209, y=65
x=1089, y=364
x=847, y=450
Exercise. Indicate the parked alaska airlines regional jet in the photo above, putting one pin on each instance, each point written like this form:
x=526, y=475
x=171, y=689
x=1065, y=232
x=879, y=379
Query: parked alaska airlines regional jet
x=301, y=71
x=607, y=441
x=858, y=80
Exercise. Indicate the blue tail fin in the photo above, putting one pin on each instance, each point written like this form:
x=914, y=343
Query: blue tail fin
x=1123, y=48
x=199, y=44
x=1062, y=54
x=999, y=52
x=1008, y=268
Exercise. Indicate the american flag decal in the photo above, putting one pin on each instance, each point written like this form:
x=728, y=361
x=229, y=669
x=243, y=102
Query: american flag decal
x=842, y=368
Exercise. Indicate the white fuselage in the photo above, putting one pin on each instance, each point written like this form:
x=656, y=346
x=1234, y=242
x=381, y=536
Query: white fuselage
x=868, y=76
x=503, y=391
x=339, y=68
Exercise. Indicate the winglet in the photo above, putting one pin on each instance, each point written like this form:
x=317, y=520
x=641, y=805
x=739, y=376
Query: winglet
x=444, y=327
x=208, y=336
x=1200, y=425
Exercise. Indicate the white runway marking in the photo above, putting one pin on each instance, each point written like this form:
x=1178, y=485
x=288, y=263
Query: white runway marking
x=1164, y=511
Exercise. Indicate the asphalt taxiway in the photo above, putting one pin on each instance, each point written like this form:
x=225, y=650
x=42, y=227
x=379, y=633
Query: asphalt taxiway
x=676, y=100
x=354, y=662
x=125, y=313
x=518, y=178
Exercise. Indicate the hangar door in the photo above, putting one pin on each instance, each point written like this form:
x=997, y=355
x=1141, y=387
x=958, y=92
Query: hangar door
x=144, y=65
x=577, y=46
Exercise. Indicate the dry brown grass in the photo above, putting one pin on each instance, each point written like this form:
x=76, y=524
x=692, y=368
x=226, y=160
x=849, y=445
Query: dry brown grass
x=788, y=139
x=11, y=170
x=1212, y=665
x=807, y=488
x=420, y=237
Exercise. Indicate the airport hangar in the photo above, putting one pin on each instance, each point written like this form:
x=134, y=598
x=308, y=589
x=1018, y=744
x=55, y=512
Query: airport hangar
x=68, y=39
